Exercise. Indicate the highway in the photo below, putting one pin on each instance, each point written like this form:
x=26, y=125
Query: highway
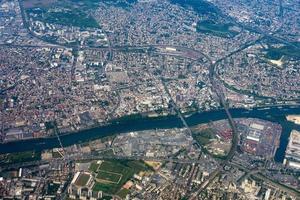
x=214, y=79
x=217, y=89
x=258, y=174
x=176, y=109
x=82, y=157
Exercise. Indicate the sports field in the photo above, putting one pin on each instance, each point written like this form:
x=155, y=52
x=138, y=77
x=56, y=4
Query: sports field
x=94, y=167
x=108, y=177
x=82, y=180
x=113, y=174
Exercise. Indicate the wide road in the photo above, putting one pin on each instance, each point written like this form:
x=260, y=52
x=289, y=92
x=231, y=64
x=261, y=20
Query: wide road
x=175, y=107
x=258, y=174
x=217, y=88
x=83, y=156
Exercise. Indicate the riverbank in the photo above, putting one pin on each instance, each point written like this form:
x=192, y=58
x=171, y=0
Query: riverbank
x=99, y=125
x=139, y=117
x=274, y=114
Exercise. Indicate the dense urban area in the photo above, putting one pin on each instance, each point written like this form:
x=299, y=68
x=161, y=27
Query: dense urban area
x=150, y=99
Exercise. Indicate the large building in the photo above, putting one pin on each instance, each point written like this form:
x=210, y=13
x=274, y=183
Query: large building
x=260, y=138
x=292, y=154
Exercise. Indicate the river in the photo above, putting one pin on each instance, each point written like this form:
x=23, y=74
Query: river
x=274, y=114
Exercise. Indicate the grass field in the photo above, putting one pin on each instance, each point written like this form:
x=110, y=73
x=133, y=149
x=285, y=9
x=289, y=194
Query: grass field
x=94, y=167
x=217, y=29
x=65, y=16
x=64, y=12
x=204, y=136
x=122, y=193
x=113, y=174
x=108, y=177
x=200, y=6
x=19, y=157
x=277, y=53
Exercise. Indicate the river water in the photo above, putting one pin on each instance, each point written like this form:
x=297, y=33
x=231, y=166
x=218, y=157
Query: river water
x=274, y=114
